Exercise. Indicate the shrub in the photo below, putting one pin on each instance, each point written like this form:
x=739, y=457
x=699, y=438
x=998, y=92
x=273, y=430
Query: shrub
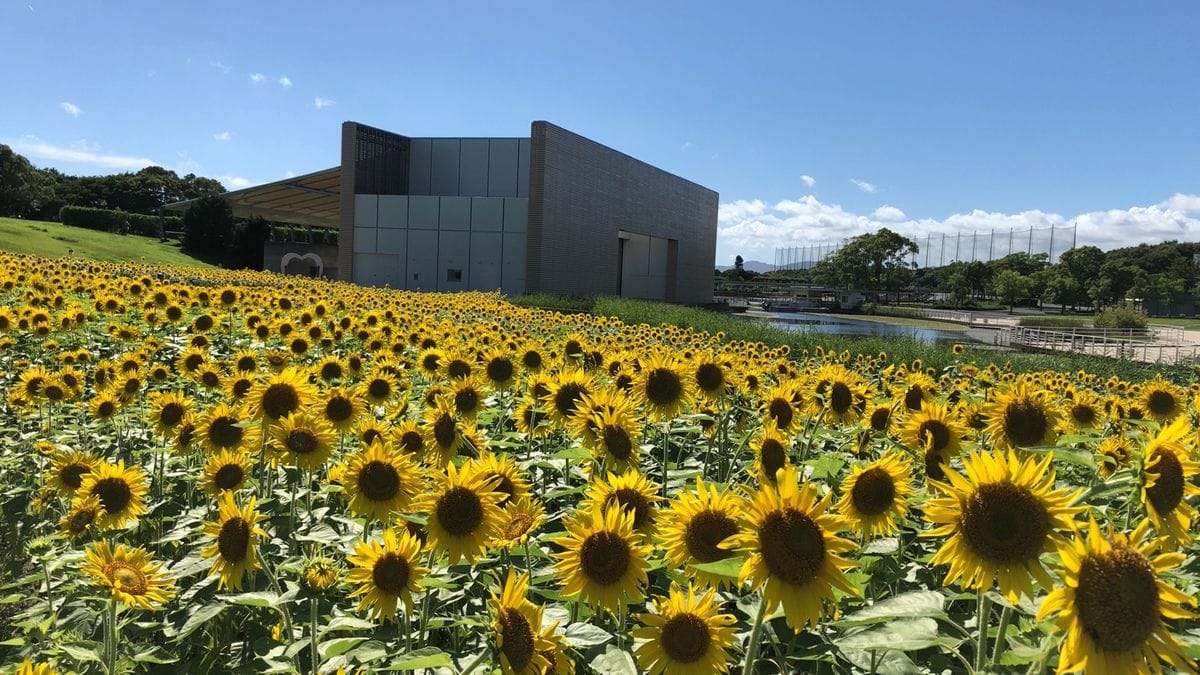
x=1121, y=316
x=208, y=227
x=116, y=221
x=1055, y=321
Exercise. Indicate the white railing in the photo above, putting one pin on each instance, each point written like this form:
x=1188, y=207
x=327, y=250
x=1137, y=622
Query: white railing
x=1129, y=344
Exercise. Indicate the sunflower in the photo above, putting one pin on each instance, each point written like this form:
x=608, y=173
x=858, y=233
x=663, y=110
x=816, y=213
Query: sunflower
x=503, y=472
x=281, y=394
x=1112, y=602
x=226, y=471
x=331, y=369
x=1000, y=519
x=685, y=635
x=69, y=468
x=709, y=376
x=632, y=491
x=1167, y=470
x=875, y=496
x=842, y=394
x=28, y=667
x=443, y=432
x=1022, y=417
x=387, y=573
x=935, y=432
x=305, y=440
x=341, y=407
x=191, y=360
x=694, y=526
x=81, y=516
x=770, y=447
x=1083, y=411
x=105, y=405
x=555, y=653
x=565, y=393
x=1111, y=455
x=379, y=481
x=516, y=624
x=321, y=574
x=380, y=387
x=1162, y=400
x=917, y=388
x=167, y=409
x=122, y=492
x=779, y=408
x=531, y=419
x=135, y=579
x=235, y=536
x=605, y=560
x=224, y=427
x=409, y=439
x=519, y=520
x=662, y=388
x=468, y=396
x=463, y=513
x=499, y=368
x=792, y=549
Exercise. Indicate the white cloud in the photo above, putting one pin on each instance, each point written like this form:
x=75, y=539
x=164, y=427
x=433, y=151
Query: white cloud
x=83, y=145
x=289, y=174
x=808, y=180
x=222, y=136
x=71, y=109
x=285, y=81
x=320, y=103
x=753, y=229
x=865, y=186
x=220, y=66
x=235, y=182
x=32, y=146
x=888, y=213
x=258, y=78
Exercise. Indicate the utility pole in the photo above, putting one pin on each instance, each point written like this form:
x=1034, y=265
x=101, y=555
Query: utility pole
x=1030, y=250
x=974, y=235
x=1050, y=256
x=991, y=243
x=957, y=246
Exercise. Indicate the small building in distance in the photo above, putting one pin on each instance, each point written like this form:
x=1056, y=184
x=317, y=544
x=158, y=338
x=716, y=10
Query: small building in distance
x=551, y=213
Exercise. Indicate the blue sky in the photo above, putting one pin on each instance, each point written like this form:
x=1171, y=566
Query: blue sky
x=815, y=122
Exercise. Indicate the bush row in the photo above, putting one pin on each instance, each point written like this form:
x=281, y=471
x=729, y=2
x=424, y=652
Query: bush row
x=119, y=222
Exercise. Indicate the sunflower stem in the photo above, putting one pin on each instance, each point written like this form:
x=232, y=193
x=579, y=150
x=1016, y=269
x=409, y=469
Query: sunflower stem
x=110, y=638
x=312, y=636
x=666, y=450
x=998, y=649
x=49, y=593
x=752, y=646
x=474, y=663
x=982, y=619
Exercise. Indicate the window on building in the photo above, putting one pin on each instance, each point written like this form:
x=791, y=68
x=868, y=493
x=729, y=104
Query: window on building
x=453, y=275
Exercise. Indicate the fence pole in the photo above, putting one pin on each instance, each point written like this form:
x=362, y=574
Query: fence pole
x=991, y=243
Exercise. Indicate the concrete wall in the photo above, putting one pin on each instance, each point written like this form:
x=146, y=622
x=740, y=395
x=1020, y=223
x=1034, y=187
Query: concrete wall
x=299, y=258
x=469, y=167
x=583, y=195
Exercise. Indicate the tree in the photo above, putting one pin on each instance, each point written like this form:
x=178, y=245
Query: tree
x=1011, y=287
x=874, y=261
x=25, y=191
x=248, y=239
x=739, y=264
x=208, y=227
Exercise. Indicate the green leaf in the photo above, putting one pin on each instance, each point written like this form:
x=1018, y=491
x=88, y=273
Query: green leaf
x=826, y=467
x=898, y=634
x=887, y=663
x=338, y=646
x=577, y=452
x=906, y=605
x=369, y=651
x=586, y=635
x=83, y=651
x=255, y=599
x=614, y=661
x=887, y=546
x=199, y=618
x=726, y=567
x=348, y=623
x=155, y=655
x=426, y=657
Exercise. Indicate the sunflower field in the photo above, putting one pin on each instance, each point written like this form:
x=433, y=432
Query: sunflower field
x=240, y=472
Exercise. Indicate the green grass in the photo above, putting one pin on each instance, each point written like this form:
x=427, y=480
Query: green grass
x=55, y=240
x=1051, y=321
x=903, y=321
x=1186, y=324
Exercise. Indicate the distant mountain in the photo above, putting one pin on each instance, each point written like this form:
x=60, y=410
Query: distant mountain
x=757, y=266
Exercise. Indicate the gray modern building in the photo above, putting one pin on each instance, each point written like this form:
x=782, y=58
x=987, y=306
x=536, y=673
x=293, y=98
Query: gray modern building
x=553, y=212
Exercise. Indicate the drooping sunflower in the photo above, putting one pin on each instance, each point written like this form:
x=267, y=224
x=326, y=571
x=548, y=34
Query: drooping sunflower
x=135, y=579
x=464, y=515
x=1022, y=417
x=69, y=468
x=662, y=387
x=516, y=626
x=520, y=518
x=1112, y=602
x=793, y=549
x=605, y=560
x=235, y=536
x=1162, y=400
x=631, y=491
x=387, y=573
x=1000, y=518
x=304, y=440
x=686, y=635
x=81, y=517
x=875, y=496
x=226, y=471
x=503, y=473
x=1167, y=473
x=167, y=410
x=121, y=490
x=281, y=394
x=694, y=526
x=379, y=481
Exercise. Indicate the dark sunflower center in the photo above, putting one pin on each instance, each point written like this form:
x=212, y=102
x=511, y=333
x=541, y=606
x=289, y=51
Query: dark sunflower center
x=516, y=639
x=1167, y=491
x=913, y=397
x=72, y=475
x=531, y=360
x=131, y=579
x=1161, y=402
x=705, y=531
x=617, y=440
x=229, y=476
x=466, y=400
x=460, y=512
x=663, y=386
x=458, y=368
x=504, y=486
x=1083, y=415
x=933, y=433
x=378, y=481
x=411, y=442
x=106, y=408
x=567, y=397
x=338, y=409
x=370, y=435
x=171, y=414
x=379, y=388
x=1004, y=523
x=210, y=378
x=444, y=431
x=390, y=574
x=874, y=492
x=247, y=364
x=241, y=387
x=604, y=557
x=331, y=371
x=685, y=638
x=430, y=362
x=773, y=457
x=880, y=418
x=840, y=398
x=710, y=377
x=224, y=432
x=1117, y=599
x=301, y=441
x=280, y=400
x=234, y=540
x=933, y=465
x=792, y=545
x=500, y=370
x=631, y=500
x=193, y=362
x=1025, y=423
x=114, y=493
x=781, y=411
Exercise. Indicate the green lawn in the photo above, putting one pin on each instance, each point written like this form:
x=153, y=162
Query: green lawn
x=1186, y=324
x=55, y=240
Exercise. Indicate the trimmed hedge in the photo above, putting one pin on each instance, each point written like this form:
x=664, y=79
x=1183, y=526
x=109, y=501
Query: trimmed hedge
x=119, y=222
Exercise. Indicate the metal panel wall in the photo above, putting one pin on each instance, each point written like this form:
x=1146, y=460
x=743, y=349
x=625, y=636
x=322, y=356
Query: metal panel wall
x=366, y=208
x=453, y=261
x=513, y=264
x=486, y=252
x=420, y=161
x=421, y=272
x=364, y=239
x=502, y=168
x=454, y=213
x=523, y=148
x=487, y=214
x=443, y=176
x=422, y=213
x=393, y=211
x=516, y=215
x=473, y=167
x=377, y=269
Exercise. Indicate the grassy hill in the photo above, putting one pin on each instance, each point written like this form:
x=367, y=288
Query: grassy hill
x=55, y=240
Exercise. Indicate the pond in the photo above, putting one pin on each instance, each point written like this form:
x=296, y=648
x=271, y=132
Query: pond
x=836, y=325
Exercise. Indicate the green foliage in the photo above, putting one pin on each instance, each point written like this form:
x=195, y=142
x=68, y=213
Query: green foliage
x=248, y=239
x=208, y=227
x=874, y=261
x=1121, y=316
x=551, y=301
x=1011, y=287
x=24, y=191
x=54, y=240
x=119, y=222
x=1056, y=321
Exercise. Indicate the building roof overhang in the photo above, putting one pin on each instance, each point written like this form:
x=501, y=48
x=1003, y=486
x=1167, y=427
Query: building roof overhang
x=311, y=199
